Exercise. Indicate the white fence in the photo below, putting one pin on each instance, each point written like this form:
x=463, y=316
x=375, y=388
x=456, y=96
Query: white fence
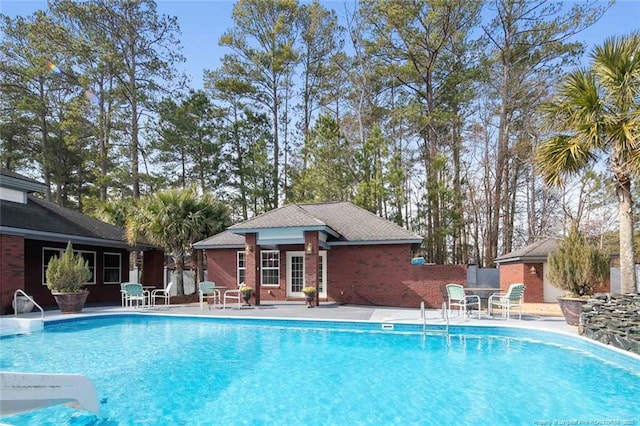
x=615, y=280
x=483, y=277
x=169, y=275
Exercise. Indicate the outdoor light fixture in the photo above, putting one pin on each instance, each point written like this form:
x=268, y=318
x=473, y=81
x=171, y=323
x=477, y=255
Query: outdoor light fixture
x=532, y=270
x=248, y=248
x=309, y=248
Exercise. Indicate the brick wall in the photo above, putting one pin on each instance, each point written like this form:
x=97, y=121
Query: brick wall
x=311, y=263
x=383, y=275
x=11, y=270
x=98, y=292
x=221, y=267
x=522, y=273
x=372, y=275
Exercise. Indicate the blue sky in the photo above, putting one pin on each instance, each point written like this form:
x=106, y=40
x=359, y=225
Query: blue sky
x=203, y=22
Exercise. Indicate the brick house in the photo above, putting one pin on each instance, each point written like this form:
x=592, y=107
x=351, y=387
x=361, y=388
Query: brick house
x=350, y=254
x=33, y=230
x=528, y=265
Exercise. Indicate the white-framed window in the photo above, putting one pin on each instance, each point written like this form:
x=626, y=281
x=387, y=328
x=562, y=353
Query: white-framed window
x=112, y=268
x=241, y=273
x=270, y=267
x=50, y=252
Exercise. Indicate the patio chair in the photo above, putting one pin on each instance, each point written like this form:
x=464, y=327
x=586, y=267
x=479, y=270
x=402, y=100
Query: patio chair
x=123, y=301
x=134, y=292
x=161, y=293
x=207, y=291
x=464, y=302
x=513, y=298
x=445, y=300
x=234, y=294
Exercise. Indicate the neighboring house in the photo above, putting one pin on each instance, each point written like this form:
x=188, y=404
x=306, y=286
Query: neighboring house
x=528, y=265
x=352, y=255
x=33, y=230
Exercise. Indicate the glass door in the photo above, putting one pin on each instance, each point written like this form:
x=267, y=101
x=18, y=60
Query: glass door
x=295, y=273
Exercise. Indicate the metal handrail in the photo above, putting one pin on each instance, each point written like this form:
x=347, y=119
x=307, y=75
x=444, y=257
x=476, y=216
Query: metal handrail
x=446, y=316
x=15, y=303
x=423, y=316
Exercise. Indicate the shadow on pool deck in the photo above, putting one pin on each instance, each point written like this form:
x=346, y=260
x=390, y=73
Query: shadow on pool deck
x=534, y=316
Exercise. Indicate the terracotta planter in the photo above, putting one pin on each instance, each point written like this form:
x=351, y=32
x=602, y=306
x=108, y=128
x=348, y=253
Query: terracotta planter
x=247, y=296
x=310, y=298
x=71, y=303
x=571, y=309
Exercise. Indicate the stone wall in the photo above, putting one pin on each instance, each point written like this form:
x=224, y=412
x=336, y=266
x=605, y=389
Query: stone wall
x=615, y=322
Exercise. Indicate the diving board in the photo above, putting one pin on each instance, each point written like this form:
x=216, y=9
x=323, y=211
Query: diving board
x=21, y=392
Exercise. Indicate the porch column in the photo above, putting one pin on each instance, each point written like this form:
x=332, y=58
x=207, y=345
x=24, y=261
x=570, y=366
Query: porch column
x=153, y=268
x=311, y=261
x=252, y=260
x=12, y=271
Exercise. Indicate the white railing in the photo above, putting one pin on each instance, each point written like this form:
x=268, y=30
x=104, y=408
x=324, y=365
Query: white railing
x=423, y=317
x=15, y=303
x=445, y=312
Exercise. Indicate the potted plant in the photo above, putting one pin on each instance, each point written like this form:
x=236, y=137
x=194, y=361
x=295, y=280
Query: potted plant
x=246, y=294
x=66, y=276
x=309, y=295
x=576, y=266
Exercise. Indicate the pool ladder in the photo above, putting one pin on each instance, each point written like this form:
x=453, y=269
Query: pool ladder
x=15, y=303
x=445, y=315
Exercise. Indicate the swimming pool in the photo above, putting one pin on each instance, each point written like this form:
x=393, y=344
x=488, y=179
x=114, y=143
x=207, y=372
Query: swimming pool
x=158, y=370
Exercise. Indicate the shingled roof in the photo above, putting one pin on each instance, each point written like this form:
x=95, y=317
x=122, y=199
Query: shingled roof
x=344, y=223
x=225, y=239
x=44, y=220
x=536, y=252
x=354, y=223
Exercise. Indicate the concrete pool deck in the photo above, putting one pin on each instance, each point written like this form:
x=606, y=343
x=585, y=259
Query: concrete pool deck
x=535, y=316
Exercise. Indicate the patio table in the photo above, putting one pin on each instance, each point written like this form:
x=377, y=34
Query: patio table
x=483, y=293
x=220, y=290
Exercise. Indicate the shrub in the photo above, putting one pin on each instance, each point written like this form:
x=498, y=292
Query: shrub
x=577, y=265
x=67, y=273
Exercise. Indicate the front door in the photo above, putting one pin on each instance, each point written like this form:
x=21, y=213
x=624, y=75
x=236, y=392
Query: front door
x=295, y=273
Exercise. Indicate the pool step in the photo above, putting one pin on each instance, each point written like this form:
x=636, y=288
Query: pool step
x=13, y=326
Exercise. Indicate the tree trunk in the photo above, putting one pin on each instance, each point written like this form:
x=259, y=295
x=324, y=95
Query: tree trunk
x=199, y=266
x=133, y=94
x=45, y=142
x=179, y=262
x=276, y=148
x=627, y=260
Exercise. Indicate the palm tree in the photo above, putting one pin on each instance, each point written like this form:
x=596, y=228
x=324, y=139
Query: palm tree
x=175, y=219
x=597, y=111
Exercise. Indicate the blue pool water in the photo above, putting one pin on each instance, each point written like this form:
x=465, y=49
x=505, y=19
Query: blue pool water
x=154, y=370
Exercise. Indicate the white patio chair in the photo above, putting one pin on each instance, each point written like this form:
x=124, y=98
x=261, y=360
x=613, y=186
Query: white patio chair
x=513, y=298
x=233, y=294
x=123, y=300
x=207, y=291
x=134, y=292
x=161, y=293
x=457, y=297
